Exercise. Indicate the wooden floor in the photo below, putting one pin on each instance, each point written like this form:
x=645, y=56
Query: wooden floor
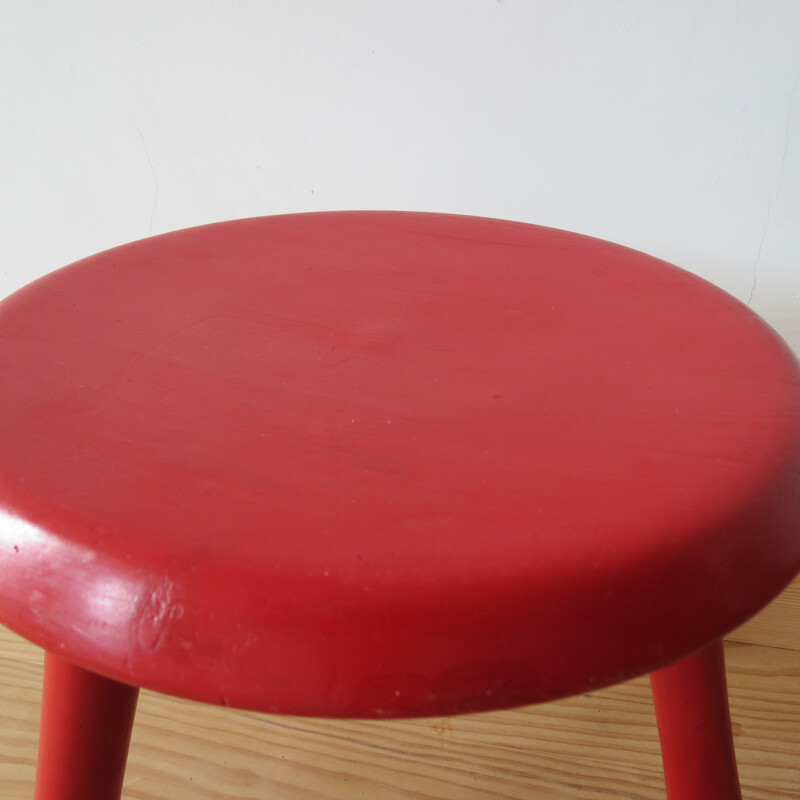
x=602, y=745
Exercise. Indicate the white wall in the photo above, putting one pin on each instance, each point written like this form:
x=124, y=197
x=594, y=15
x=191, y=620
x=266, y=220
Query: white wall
x=672, y=127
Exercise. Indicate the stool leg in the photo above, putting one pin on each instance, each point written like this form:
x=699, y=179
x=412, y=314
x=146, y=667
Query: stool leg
x=84, y=735
x=691, y=701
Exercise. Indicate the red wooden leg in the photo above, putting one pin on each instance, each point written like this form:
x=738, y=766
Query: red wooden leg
x=691, y=701
x=85, y=732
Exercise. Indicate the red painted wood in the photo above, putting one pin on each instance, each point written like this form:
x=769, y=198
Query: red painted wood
x=694, y=726
x=388, y=464
x=85, y=733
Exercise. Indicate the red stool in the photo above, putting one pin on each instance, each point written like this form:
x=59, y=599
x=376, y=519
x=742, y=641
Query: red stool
x=385, y=465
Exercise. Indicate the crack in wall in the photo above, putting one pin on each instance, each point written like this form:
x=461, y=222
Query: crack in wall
x=773, y=196
x=152, y=172
x=757, y=259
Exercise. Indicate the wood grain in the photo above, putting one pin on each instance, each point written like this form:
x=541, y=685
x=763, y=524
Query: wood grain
x=602, y=745
x=778, y=625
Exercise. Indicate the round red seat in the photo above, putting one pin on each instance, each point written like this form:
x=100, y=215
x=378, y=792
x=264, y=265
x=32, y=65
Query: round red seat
x=387, y=464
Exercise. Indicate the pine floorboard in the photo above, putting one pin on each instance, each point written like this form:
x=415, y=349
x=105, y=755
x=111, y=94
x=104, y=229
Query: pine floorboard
x=601, y=745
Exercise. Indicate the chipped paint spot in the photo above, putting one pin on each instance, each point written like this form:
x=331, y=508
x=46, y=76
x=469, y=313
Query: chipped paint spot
x=155, y=615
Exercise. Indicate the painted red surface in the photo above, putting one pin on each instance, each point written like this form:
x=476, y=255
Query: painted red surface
x=386, y=464
x=691, y=702
x=84, y=736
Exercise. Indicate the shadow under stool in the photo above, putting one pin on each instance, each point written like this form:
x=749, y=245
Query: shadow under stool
x=387, y=464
